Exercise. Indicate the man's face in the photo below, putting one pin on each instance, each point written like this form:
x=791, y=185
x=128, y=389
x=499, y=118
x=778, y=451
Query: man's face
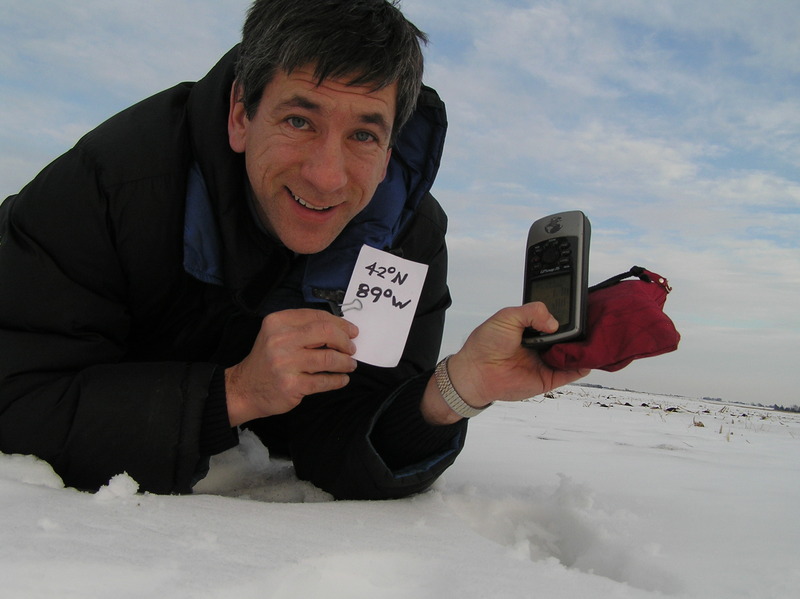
x=314, y=154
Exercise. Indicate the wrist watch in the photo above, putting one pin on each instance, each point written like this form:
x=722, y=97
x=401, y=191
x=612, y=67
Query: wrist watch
x=450, y=395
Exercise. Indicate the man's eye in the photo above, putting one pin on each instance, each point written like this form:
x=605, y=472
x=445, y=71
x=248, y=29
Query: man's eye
x=364, y=136
x=297, y=122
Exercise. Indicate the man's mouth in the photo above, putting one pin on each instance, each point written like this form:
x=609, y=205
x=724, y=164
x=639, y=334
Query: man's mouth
x=305, y=204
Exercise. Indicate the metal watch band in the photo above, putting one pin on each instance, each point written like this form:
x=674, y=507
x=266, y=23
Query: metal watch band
x=450, y=395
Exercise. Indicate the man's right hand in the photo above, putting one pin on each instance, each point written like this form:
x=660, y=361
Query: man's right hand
x=296, y=353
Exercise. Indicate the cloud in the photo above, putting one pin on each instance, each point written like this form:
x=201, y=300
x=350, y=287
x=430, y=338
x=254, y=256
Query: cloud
x=67, y=66
x=675, y=126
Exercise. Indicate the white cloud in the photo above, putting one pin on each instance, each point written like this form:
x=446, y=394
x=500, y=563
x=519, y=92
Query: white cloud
x=67, y=66
x=675, y=126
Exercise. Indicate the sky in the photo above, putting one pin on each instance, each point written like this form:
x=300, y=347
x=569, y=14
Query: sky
x=674, y=126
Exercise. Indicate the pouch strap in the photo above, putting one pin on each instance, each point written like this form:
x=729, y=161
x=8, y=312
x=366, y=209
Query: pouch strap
x=635, y=271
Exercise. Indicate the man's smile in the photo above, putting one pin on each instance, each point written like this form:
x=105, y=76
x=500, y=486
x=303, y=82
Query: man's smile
x=314, y=152
x=305, y=204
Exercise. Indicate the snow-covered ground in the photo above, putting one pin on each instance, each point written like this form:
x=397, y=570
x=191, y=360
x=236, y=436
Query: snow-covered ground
x=591, y=493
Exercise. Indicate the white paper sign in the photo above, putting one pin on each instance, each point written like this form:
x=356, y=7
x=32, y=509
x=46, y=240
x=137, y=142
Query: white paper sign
x=381, y=300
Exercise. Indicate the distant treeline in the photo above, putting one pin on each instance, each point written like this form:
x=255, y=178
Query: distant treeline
x=777, y=408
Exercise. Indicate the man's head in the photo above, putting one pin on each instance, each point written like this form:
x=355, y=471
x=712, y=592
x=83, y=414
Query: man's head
x=366, y=42
x=322, y=88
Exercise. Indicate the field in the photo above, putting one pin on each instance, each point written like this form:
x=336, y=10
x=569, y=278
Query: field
x=587, y=493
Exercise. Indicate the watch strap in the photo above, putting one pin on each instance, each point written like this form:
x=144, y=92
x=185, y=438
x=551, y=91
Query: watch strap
x=450, y=395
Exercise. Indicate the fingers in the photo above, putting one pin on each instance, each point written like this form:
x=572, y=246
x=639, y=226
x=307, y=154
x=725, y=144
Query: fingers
x=309, y=329
x=326, y=360
x=499, y=338
x=308, y=341
x=296, y=353
x=322, y=382
x=534, y=315
x=493, y=365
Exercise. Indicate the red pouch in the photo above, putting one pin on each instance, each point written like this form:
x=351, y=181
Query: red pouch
x=625, y=321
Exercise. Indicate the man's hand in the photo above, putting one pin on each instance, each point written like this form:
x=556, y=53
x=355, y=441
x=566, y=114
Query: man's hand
x=296, y=353
x=494, y=366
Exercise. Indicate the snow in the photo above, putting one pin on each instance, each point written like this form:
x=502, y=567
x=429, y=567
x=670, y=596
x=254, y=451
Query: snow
x=589, y=493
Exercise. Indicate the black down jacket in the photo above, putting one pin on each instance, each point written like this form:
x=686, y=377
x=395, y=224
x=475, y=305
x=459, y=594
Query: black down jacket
x=112, y=354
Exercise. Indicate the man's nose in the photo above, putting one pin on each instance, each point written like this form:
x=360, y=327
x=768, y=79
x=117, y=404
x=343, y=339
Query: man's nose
x=325, y=166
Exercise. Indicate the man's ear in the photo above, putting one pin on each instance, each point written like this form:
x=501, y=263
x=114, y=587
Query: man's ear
x=237, y=121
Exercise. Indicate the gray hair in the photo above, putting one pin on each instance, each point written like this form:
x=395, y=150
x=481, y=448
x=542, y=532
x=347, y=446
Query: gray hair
x=366, y=42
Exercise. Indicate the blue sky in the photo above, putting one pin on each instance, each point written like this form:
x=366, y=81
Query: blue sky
x=675, y=126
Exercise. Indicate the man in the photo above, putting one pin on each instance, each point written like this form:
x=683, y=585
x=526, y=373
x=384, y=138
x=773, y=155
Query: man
x=176, y=274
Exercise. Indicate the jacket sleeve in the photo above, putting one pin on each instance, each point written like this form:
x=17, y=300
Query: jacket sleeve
x=369, y=440
x=67, y=392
